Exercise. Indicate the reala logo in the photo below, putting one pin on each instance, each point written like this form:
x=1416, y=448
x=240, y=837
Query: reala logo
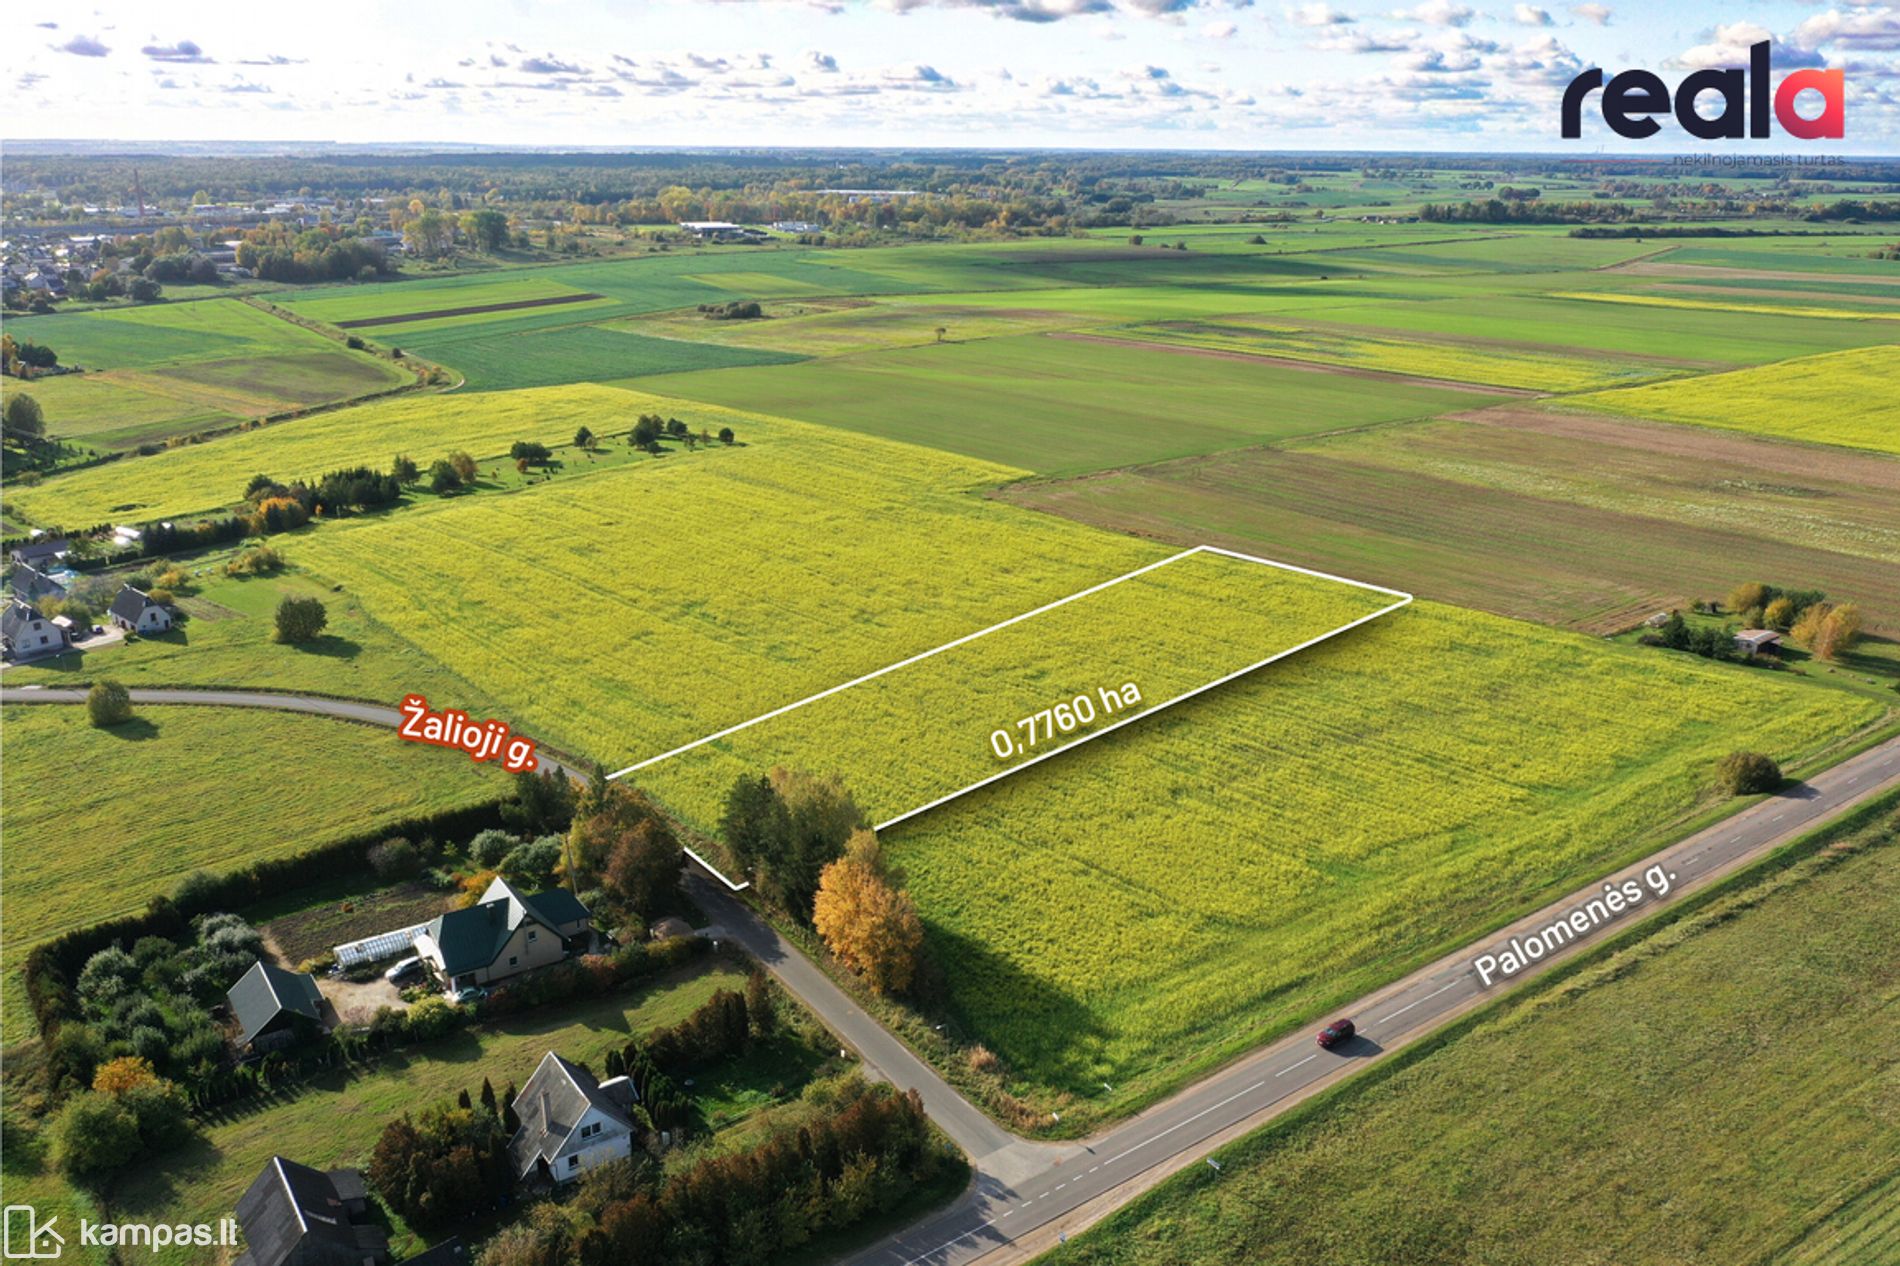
x=1633, y=96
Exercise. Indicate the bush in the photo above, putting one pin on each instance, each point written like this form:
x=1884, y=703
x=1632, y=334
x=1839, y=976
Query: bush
x=300, y=619
x=394, y=859
x=108, y=703
x=94, y=1135
x=434, y=1017
x=535, y=861
x=487, y=849
x=1748, y=773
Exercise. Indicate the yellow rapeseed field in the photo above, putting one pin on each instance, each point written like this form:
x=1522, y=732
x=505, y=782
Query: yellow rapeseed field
x=211, y=475
x=1850, y=398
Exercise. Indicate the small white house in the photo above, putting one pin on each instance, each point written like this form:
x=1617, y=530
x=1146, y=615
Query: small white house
x=26, y=634
x=570, y=1122
x=135, y=612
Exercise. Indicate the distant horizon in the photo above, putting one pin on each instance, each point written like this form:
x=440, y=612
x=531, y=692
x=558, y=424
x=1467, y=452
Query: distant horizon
x=1376, y=76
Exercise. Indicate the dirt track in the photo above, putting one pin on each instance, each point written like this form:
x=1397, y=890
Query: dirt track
x=472, y=310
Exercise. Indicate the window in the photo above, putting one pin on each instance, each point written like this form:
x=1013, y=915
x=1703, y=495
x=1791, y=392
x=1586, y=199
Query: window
x=512, y=960
x=532, y=934
x=573, y=1162
x=589, y=1131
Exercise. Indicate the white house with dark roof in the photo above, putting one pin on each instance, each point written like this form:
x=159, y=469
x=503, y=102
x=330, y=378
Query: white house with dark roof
x=134, y=611
x=502, y=935
x=26, y=634
x=570, y=1122
x=30, y=584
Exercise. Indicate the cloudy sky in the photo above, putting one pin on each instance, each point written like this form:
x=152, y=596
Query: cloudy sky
x=1439, y=74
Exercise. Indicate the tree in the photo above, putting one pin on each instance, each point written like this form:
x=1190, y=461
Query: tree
x=430, y=234
x=644, y=868
x=443, y=479
x=533, y=453
x=464, y=465
x=1747, y=773
x=1748, y=596
x=108, y=703
x=942, y=330
x=144, y=290
x=647, y=431
x=1829, y=631
x=300, y=620
x=487, y=229
x=122, y=1074
x=23, y=419
x=725, y=435
x=94, y=1135
x=1779, y=614
x=584, y=438
x=865, y=920
x=403, y=468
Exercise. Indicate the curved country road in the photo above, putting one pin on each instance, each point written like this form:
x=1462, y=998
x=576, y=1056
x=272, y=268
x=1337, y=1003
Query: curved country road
x=1024, y=1195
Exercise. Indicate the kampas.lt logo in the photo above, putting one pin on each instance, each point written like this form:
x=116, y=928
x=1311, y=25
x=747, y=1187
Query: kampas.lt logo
x=28, y=1238
x=1632, y=97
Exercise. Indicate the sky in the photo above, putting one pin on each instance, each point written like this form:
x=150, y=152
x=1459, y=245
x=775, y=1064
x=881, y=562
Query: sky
x=1160, y=74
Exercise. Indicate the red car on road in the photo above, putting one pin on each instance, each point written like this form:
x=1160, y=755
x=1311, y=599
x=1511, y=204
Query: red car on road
x=1335, y=1033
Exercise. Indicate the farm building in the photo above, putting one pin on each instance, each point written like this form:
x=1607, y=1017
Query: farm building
x=293, y=1215
x=569, y=1121
x=1753, y=642
x=275, y=1008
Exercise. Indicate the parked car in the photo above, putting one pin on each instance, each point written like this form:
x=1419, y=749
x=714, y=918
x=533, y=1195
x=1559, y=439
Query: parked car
x=408, y=969
x=1336, y=1032
x=472, y=993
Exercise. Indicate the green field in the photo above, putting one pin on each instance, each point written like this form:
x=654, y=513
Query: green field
x=172, y=368
x=1846, y=398
x=1582, y=520
x=1714, y=1092
x=670, y=627
x=98, y=821
x=1324, y=823
x=1064, y=405
x=1250, y=858
x=204, y=477
x=1168, y=631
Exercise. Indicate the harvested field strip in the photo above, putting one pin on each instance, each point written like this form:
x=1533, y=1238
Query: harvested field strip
x=1713, y=305
x=473, y=310
x=1512, y=552
x=1171, y=630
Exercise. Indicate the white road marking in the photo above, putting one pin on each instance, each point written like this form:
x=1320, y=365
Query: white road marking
x=1427, y=998
x=1191, y=1120
x=1289, y=1068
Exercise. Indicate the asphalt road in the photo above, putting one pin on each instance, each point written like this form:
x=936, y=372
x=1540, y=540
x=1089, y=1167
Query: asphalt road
x=316, y=705
x=1024, y=1195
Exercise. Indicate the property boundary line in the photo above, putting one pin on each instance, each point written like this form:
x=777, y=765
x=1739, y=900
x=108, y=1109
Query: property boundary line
x=1404, y=599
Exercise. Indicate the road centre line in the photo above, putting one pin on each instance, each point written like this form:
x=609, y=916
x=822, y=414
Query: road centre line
x=1290, y=1067
x=1191, y=1120
x=1427, y=998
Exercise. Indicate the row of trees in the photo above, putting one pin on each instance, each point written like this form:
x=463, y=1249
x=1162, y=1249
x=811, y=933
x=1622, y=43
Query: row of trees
x=865, y=1156
x=1827, y=629
x=449, y=1163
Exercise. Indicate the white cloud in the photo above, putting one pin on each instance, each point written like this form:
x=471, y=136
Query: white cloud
x=1531, y=15
x=1318, y=15
x=1361, y=41
x=1872, y=29
x=1437, y=13
x=822, y=63
x=184, y=51
x=82, y=46
x=1597, y=13
x=1220, y=30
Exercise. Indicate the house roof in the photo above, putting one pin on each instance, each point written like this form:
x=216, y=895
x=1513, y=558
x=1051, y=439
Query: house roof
x=29, y=582
x=475, y=937
x=292, y=1212
x=265, y=991
x=552, y=1104
x=1758, y=637
x=130, y=603
x=557, y=906
x=34, y=551
x=17, y=616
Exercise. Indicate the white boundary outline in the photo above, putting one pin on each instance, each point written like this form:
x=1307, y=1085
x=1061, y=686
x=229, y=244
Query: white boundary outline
x=1403, y=600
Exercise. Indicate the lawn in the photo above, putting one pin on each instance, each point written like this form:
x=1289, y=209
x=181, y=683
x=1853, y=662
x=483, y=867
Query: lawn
x=336, y=1119
x=1694, y=1096
x=169, y=369
x=1567, y=518
x=1243, y=862
x=836, y=327
x=577, y=353
x=209, y=476
x=100, y=820
x=1057, y=405
x=1845, y=398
